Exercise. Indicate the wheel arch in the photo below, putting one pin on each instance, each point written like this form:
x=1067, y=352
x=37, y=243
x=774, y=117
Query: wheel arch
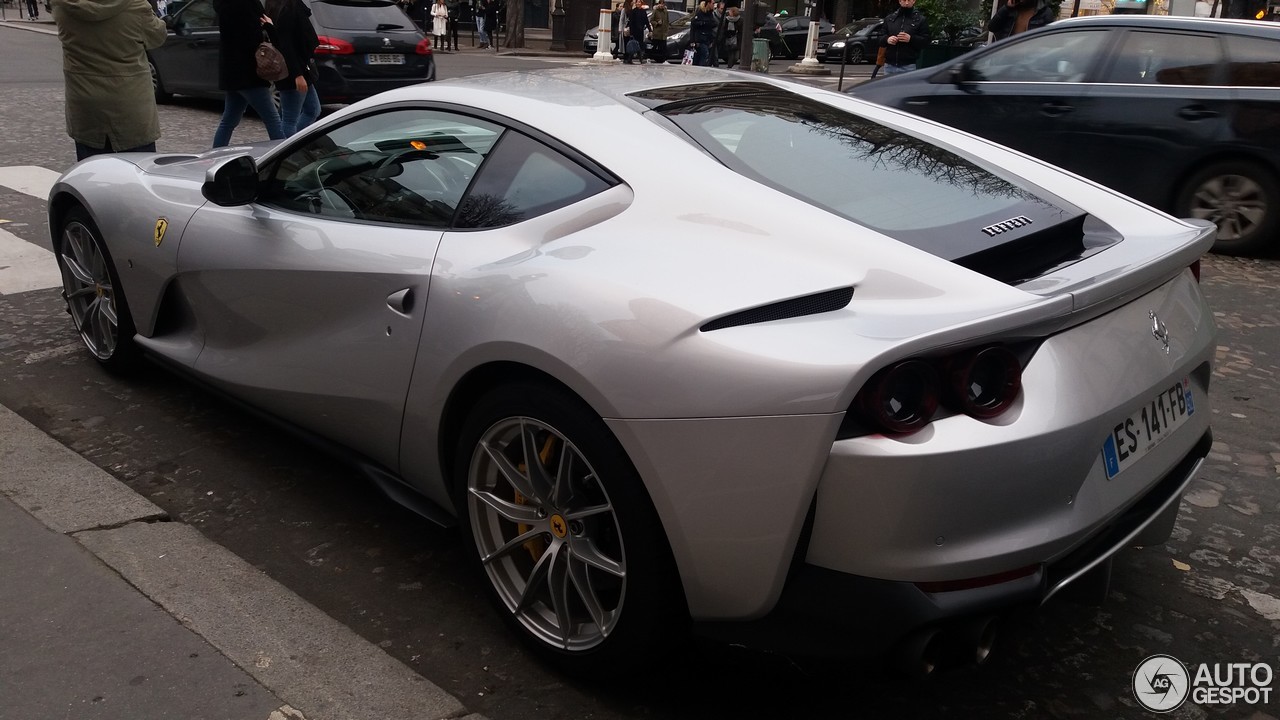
x=1229, y=156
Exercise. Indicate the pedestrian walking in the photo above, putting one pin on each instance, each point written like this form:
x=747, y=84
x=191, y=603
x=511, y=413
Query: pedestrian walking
x=455, y=9
x=297, y=42
x=637, y=26
x=110, y=102
x=242, y=24
x=439, y=23
x=659, y=28
x=906, y=34
x=702, y=33
x=491, y=24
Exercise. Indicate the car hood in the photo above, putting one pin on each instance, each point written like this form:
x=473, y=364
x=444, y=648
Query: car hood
x=193, y=166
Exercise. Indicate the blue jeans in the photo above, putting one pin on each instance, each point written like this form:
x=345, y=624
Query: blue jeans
x=897, y=69
x=260, y=98
x=298, y=109
x=484, y=36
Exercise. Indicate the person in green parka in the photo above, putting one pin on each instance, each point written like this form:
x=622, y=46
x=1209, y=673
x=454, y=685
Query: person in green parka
x=111, y=105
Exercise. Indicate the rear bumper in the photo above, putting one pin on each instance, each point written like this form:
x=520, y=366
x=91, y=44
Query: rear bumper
x=826, y=613
x=334, y=87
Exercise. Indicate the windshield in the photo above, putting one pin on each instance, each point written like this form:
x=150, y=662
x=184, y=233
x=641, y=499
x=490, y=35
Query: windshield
x=905, y=186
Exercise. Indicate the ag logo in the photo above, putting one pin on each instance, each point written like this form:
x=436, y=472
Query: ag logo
x=1161, y=683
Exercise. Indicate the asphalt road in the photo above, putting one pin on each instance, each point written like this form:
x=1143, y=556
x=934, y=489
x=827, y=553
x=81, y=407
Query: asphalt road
x=1208, y=596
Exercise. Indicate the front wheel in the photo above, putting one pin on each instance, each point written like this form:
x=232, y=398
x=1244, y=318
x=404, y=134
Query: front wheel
x=91, y=288
x=565, y=533
x=855, y=55
x=1242, y=199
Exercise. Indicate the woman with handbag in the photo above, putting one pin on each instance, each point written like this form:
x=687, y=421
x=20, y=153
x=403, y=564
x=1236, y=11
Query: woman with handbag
x=243, y=26
x=299, y=101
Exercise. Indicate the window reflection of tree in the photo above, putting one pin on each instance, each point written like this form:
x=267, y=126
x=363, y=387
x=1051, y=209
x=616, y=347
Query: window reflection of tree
x=867, y=142
x=477, y=211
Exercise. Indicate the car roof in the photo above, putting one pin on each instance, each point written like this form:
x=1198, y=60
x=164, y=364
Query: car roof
x=1173, y=22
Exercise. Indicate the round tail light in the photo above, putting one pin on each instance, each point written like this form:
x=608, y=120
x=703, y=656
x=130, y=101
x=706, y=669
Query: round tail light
x=984, y=383
x=902, y=398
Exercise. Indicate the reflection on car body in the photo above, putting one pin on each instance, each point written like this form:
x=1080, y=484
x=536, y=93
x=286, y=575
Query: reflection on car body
x=512, y=322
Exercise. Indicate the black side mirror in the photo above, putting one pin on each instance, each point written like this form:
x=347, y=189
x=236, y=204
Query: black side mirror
x=233, y=181
x=962, y=74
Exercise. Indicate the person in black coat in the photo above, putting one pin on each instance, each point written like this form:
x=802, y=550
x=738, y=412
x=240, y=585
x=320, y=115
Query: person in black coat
x=1015, y=16
x=637, y=26
x=702, y=33
x=491, y=12
x=906, y=34
x=297, y=41
x=241, y=26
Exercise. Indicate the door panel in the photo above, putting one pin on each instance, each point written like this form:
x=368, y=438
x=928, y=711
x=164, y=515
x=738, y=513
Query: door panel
x=188, y=60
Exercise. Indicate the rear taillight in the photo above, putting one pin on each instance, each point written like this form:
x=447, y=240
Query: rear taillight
x=334, y=46
x=1195, y=269
x=424, y=47
x=904, y=397
x=983, y=383
x=901, y=398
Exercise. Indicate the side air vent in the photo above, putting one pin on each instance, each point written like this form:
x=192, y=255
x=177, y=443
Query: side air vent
x=171, y=159
x=822, y=302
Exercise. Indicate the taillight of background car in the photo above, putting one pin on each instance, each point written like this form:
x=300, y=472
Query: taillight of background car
x=334, y=46
x=424, y=47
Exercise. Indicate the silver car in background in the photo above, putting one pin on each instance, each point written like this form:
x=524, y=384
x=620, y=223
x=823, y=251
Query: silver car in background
x=787, y=414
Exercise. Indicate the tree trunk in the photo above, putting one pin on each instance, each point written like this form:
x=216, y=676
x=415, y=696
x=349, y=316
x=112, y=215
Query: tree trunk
x=515, y=24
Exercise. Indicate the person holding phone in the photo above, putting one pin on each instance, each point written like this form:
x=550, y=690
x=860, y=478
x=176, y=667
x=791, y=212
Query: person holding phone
x=906, y=34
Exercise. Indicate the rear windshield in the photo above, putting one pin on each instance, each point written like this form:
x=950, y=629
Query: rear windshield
x=904, y=186
x=356, y=15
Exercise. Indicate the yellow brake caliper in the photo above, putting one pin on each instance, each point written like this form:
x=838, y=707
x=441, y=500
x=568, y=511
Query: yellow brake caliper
x=537, y=545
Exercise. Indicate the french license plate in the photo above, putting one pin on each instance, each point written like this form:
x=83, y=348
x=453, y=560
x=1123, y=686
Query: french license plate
x=1148, y=427
x=384, y=59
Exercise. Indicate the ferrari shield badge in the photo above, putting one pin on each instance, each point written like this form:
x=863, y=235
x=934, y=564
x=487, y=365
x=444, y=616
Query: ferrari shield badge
x=161, y=226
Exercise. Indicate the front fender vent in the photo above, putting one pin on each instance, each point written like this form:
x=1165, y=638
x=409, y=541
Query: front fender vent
x=815, y=304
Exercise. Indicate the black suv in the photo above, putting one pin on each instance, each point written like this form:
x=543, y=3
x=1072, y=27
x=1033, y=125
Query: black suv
x=366, y=47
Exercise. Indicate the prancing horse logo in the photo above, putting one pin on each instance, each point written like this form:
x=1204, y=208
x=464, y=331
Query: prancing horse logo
x=1159, y=331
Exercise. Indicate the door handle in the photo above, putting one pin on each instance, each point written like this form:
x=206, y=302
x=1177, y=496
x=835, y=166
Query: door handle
x=1056, y=109
x=401, y=301
x=917, y=102
x=1196, y=112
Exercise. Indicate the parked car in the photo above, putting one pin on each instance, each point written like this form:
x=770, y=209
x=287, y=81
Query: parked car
x=855, y=43
x=957, y=391
x=787, y=35
x=591, y=40
x=1177, y=112
x=366, y=47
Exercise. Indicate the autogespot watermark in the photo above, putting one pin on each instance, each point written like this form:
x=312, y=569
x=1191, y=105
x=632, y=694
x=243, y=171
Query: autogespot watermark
x=1161, y=683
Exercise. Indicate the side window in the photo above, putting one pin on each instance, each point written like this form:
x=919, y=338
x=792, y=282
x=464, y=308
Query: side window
x=1254, y=62
x=198, y=15
x=523, y=179
x=404, y=166
x=1048, y=57
x=1158, y=58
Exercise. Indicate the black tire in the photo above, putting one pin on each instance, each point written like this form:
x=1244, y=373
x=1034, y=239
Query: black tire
x=1242, y=199
x=595, y=593
x=157, y=84
x=93, y=293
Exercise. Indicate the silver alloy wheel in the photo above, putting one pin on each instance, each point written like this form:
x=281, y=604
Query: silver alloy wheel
x=1237, y=204
x=547, y=533
x=87, y=286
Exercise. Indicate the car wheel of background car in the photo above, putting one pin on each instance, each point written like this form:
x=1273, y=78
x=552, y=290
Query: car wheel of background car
x=1241, y=198
x=565, y=533
x=156, y=85
x=855, y=55
x=93, y=293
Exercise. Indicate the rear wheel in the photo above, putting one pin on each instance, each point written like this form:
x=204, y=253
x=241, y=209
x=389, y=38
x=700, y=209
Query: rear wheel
x=564, y=532
x=1242, y=199
x=93, y=294
x=157, y=85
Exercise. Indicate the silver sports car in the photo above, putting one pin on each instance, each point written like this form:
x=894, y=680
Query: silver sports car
x=751, y=397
